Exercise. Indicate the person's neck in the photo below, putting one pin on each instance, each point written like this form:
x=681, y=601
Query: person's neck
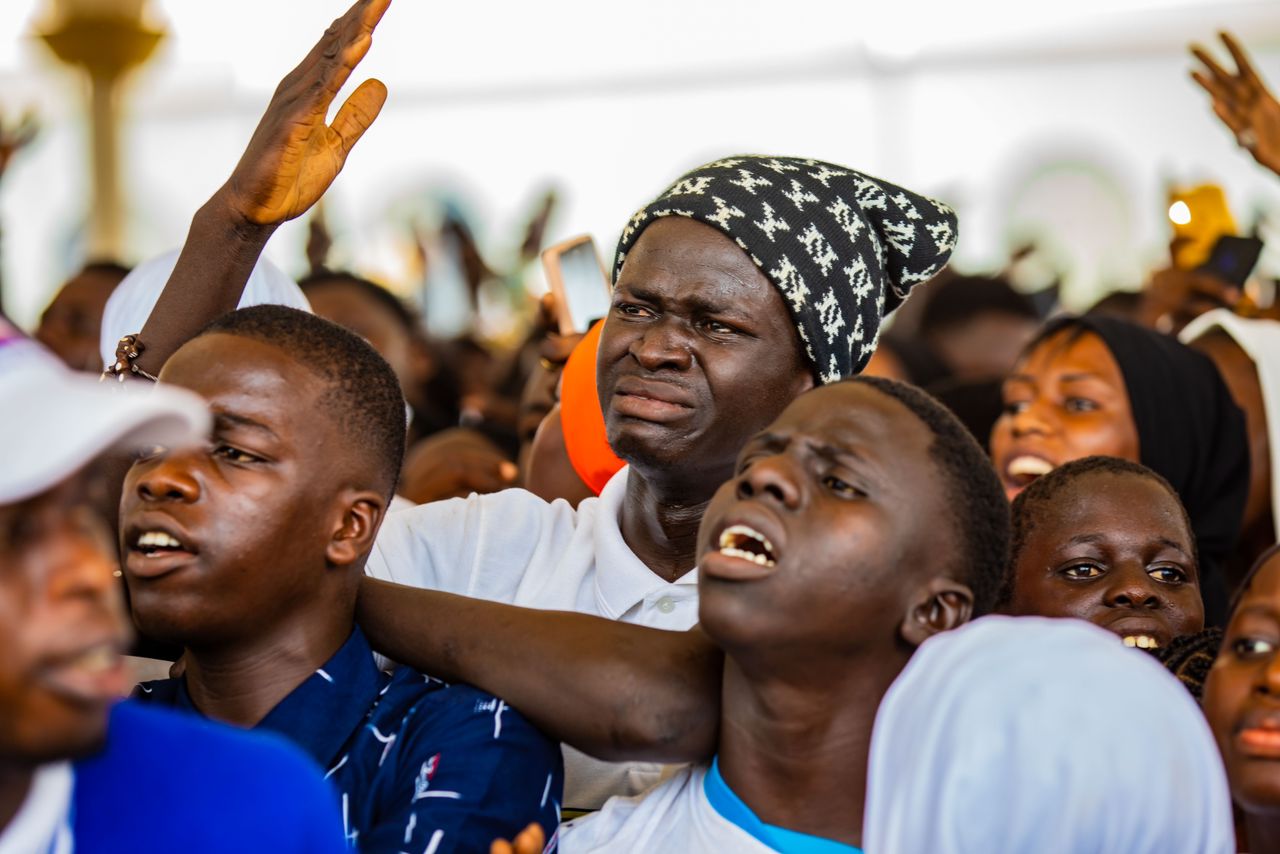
x=1263, y=831
x=794, y=745
x=15, y=782
x=240, y=683
x=660, y=519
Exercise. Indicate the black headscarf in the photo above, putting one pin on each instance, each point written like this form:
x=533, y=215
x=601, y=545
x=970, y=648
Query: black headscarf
x=1190, y=431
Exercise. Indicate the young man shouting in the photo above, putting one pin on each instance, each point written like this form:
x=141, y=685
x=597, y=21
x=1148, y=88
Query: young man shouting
x=249, y=551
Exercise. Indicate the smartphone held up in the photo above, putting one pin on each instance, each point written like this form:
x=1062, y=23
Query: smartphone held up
x=578, y=282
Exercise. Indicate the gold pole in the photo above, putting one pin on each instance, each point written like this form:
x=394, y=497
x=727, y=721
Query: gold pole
x=106, y=46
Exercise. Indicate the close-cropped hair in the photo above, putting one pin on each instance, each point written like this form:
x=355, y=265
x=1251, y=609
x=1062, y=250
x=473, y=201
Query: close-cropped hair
x=404, y=315
x=363, y=395
x=977, y=509
x=1045, y=489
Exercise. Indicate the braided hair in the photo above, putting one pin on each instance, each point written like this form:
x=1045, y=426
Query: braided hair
x=1189, y=658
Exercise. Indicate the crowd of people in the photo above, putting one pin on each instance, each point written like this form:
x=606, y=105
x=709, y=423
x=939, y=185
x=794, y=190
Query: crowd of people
x=742, y=568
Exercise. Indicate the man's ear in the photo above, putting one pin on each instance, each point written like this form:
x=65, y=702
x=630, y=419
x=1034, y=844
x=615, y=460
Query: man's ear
x=356, y=527
x=940, y=605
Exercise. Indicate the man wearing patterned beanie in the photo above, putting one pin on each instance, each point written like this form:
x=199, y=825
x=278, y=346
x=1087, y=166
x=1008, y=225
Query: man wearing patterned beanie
x=746, y=283
x=843, y=248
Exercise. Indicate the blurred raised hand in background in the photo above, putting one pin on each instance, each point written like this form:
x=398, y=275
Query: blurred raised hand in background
x=1242, y=101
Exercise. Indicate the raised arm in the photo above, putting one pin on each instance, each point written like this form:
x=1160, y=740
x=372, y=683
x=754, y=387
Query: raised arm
x=292, y=158
x=614, y=690
x=1242, y=101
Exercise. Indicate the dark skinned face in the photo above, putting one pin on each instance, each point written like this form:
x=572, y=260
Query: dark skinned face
x=1062, y=402
x=70, y=326
x=1112, y=549
x=829, y=535
x=348, y=307
x=223, y=541
x=62, y=627
x=1242, y=694
x=698, y=353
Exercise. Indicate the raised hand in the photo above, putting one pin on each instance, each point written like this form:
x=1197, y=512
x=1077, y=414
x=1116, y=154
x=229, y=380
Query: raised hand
x=291, y=160
x=294, y=155
x=1242, y=101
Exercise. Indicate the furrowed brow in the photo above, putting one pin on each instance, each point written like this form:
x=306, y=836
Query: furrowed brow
x=224, y=420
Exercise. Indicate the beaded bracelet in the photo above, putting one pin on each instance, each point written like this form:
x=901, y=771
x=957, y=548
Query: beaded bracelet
x=127, y=350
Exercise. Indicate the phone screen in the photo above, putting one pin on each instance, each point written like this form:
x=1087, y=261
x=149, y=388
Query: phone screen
x=586, y=291
x=1233, y=259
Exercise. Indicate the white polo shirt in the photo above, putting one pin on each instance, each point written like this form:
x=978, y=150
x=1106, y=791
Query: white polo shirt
x=42, y=824
x=514, y=547
x=675, y=816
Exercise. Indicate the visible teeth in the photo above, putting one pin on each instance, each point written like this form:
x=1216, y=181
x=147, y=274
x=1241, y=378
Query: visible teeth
x=734, y=535
x=1034, y=466
x=754, y=558
x=1141, y=641
x=158, y=540
x=98, y=659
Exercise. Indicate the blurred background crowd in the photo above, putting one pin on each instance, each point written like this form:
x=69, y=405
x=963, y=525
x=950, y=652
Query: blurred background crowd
x=1078, y=153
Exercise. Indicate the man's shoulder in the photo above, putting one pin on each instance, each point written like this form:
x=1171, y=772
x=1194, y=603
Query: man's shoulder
x=184, y=773
x=429, y=703
x=148, y=739
x=514, y=503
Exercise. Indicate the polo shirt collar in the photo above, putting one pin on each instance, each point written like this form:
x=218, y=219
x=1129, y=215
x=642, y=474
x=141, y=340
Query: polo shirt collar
x=622, y=579
x=321, y=714
x=734, y=810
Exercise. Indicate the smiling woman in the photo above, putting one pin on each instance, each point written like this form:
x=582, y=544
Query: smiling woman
x=1239, y=701
x=1101, y=386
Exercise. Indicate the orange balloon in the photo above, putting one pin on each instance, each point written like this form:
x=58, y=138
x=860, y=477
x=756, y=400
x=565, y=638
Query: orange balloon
x=582, y=418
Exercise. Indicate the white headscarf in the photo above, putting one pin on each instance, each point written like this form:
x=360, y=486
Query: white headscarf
x=132, y=301
x=1027, y=734
x=1260, y=341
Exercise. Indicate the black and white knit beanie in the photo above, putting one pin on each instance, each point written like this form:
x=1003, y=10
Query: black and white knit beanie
x=843, y=248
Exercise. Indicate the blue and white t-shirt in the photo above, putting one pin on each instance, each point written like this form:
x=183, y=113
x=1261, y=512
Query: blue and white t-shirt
x=694, y=812
x=419, y=765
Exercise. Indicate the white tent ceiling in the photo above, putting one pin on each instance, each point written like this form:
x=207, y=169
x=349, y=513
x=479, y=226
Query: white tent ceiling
x=441, y=51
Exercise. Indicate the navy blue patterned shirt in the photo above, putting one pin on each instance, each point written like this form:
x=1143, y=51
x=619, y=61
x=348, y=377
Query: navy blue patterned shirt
x=420, y=765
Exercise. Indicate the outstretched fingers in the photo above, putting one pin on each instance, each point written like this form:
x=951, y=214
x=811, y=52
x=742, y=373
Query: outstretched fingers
x=355, y=36
x=326, y=67
x=1244, y=67
x=1220, y=75
x=357, y=114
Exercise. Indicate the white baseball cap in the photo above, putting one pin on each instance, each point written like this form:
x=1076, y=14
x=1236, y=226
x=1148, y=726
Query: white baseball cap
x=56, y=421
x=133, y=299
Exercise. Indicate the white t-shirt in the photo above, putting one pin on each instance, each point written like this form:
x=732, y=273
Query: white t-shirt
x=42, y=824
x=674, y=816
x=514, y=547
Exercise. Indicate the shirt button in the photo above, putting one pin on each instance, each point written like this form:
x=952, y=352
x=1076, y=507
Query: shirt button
x=666, y=604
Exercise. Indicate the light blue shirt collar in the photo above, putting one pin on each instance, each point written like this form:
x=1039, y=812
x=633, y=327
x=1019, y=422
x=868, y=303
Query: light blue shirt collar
x=732, y=809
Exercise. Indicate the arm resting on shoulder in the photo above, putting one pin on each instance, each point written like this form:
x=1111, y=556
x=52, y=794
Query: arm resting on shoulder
x=617, y=691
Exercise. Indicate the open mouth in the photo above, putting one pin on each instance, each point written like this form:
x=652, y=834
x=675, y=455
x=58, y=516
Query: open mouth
x=1141, y=641
x=95, y=674
x=1024, y=469
x=158, y=543
x=746, y=543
